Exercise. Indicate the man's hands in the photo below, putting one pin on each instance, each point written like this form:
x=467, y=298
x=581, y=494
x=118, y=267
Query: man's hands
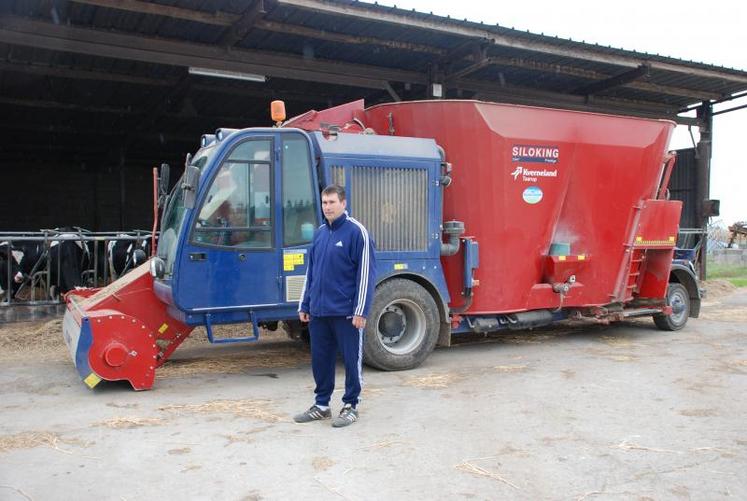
x=359, y=322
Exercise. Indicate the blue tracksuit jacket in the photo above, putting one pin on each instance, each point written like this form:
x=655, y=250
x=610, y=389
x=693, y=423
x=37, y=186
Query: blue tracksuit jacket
x=341, y=274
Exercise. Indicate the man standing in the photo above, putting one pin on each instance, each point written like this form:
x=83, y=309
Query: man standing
x=337, y=294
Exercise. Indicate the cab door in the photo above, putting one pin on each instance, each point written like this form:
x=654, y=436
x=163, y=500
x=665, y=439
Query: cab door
x=231, y=259
x=301, y=213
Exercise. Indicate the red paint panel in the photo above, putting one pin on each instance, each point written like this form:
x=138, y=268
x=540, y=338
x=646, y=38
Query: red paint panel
x=659, y=224
x=127, y=317
x=526, y=177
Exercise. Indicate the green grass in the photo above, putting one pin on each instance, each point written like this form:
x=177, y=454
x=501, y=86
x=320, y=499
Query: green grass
x=737, y=275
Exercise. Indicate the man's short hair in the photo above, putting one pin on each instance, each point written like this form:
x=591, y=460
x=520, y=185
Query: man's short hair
x=335, y=188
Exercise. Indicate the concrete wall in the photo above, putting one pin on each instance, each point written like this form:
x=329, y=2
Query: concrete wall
x=736, y=257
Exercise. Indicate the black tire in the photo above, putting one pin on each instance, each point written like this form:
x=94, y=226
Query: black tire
x=296, y=330
x=679, y=299
x=402, y=328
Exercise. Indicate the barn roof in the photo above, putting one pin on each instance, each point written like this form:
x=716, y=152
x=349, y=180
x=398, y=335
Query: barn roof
x=116, y=73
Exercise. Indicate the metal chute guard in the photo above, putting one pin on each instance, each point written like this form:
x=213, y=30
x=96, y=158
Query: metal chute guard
x=121, y=332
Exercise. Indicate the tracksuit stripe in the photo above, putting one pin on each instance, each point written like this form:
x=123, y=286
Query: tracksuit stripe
x=360, y=357
x=363, y=285
x=303, y=290
x=306, y=279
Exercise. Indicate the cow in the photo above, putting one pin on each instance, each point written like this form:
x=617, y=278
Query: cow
x=10, y=266
x=125, y=255
x=66, y=258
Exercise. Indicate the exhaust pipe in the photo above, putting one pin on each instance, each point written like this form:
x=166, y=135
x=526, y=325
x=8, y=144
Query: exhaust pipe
x=453, y=230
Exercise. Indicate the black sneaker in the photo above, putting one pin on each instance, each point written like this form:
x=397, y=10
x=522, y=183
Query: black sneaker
x=347, y=416
x=313, y=414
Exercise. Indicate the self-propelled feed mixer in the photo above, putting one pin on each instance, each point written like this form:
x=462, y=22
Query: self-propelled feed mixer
x=485, y=216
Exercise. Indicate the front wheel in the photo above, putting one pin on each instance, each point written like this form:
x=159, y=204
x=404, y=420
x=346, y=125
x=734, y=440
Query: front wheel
x=403, y=326
x=679, y=300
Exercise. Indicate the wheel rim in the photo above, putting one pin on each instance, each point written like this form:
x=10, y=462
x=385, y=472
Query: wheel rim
x=678, y=302
x=401, y=326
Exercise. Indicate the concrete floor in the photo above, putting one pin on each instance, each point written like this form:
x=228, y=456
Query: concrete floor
x=616, y=412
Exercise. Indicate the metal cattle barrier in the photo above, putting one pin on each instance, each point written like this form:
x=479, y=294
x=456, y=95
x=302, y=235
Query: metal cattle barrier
x=36, y=288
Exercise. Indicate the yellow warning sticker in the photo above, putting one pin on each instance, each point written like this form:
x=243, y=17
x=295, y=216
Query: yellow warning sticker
x=671, y=239
x=644, y=243
x=163, y=328
x=400, y=266
x=92, y=380
x=639, y=239
x=561, y=258
x=581, y=257
x=292, y=259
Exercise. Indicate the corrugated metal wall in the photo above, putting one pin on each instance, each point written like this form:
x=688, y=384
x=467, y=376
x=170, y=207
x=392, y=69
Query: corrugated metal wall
x=682, y=186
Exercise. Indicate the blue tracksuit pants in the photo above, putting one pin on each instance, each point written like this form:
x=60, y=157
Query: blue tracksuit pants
x=330, y=335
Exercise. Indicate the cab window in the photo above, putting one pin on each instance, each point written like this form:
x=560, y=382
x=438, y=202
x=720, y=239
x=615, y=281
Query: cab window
x=299, y=212
x=237, y=211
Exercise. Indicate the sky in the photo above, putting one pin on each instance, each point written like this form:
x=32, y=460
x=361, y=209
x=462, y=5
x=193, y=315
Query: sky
x=712, y=32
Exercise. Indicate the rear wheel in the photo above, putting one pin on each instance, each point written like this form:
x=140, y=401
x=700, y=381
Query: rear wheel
x=403, y=326
x=679, y=300
x=296, y=330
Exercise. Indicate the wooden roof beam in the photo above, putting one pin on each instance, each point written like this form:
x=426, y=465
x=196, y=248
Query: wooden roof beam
x=241, y=28
x=329, y=36
x=21, y=31
x=101, y=76
x=240, y=25
x=534, y=65
x=83, y=74
x=623, y=78
x=141, y=7
x=520, y=95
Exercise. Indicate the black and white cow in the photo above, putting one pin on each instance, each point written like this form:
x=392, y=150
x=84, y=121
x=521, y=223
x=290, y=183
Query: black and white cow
x=10, y=259
x=66, y=260
x=126, y=255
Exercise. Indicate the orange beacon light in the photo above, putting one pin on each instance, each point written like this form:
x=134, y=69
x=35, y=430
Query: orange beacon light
x=277, y=112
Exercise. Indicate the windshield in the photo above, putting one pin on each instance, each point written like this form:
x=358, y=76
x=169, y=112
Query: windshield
x=173, y=216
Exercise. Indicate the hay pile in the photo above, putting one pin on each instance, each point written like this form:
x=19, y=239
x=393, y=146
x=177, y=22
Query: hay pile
x=433, y=381
x=255, y=409
x=31, y=439
x=281, y=355
x=511, y=368
x=717, y=288
x=43, y=340
x=198, y=337
x=119, y=423
x=40, y=340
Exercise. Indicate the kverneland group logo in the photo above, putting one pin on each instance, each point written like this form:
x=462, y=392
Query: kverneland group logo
x=531, y=175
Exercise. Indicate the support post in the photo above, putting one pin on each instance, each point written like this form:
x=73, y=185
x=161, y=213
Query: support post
x=703, y=176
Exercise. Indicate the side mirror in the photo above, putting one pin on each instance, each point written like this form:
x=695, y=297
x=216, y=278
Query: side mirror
x=163, y=183
x=189, y=185
x=157, y=267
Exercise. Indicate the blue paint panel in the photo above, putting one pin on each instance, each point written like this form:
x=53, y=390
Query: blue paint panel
x=373, y=147
x=228, y=277
x=84, y=345
x=429, y=269
x=236, y=285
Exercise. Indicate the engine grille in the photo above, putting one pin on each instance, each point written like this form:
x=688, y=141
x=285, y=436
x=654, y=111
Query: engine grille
x=294, y=287
x=393, y=204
